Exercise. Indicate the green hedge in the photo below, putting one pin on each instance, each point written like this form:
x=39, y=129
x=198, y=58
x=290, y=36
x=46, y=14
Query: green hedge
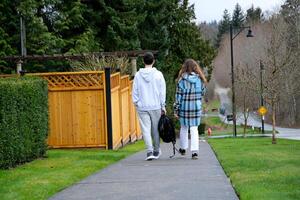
x=23, y=120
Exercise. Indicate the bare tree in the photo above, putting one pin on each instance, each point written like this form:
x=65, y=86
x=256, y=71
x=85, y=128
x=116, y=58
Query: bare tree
x=278, y=58
x=247, y=88
x=221, y=70
x=209, y=31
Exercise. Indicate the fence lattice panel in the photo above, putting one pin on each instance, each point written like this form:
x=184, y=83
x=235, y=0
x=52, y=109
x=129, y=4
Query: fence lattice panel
x=74, y=80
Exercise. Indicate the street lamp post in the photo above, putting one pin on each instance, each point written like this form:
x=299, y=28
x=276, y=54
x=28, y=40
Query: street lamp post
x=261, y=97
x=232, y=70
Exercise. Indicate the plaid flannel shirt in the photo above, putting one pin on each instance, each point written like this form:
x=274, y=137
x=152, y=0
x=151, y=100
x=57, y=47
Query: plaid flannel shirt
x=188, y=99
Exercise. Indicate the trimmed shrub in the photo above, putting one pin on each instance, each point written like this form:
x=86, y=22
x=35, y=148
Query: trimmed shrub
x=23, y=120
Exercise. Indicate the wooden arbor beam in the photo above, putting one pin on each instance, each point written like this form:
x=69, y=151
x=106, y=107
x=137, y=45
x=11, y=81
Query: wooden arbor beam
x=76, y=56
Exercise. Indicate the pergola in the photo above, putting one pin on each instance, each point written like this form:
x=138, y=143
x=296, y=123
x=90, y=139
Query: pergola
x=130, y=54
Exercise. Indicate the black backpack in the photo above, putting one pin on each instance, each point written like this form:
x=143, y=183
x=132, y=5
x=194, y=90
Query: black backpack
x=166, y=131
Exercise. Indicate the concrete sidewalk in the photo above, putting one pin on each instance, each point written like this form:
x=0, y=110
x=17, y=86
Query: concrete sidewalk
x=179, y=178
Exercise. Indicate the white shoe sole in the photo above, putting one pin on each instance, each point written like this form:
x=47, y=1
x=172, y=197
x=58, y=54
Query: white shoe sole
x=157, y=157
x=150, y=158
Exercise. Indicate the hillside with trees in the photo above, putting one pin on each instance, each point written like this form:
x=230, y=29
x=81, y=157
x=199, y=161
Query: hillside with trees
x=275, y=45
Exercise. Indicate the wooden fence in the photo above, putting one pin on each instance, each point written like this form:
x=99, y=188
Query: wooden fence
x=124, y=124
x=78, y=110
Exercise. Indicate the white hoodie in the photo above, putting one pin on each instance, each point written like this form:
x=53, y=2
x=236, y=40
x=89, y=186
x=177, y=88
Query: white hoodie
x=149, y=89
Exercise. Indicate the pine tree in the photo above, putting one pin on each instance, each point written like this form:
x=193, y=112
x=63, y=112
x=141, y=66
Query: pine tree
x=9, y=40
x=185, y=38
x=154, y=30
x=184, y=41
x=238, y=17
x=116, y=23
x=38, y=39
x=69, y=24
x=223, y=27
x=254, y=15
x=64, y=26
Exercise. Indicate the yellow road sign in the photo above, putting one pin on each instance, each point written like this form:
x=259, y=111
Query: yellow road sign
x=262, y=110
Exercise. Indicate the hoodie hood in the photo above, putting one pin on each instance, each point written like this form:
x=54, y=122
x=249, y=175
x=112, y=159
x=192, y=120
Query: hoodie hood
x=147, y=73
x=192, y=78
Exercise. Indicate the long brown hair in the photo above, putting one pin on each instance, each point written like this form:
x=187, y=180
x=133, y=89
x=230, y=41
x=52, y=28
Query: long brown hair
x=190, y=66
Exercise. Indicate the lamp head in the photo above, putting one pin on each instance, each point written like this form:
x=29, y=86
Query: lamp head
x=249, y=34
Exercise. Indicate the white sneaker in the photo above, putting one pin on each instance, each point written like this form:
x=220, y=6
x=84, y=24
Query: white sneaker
x=157, y=154
x=149, y=156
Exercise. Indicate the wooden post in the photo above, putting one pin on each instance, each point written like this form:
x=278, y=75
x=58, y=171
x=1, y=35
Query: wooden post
x=133, y=66
x=19, y=66
x=108, y=108
x=23, y=37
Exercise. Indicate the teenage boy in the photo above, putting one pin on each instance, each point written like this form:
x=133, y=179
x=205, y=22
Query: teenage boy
x=149, y=96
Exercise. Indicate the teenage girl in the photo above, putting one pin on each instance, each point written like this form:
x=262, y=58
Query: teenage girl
x=187, y=107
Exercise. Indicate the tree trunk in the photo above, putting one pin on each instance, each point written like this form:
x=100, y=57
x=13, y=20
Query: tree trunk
x=245, y=116
x=244, y=109
x=273, y=123
x=133, y=67
x=294, y=110
x=245, y=127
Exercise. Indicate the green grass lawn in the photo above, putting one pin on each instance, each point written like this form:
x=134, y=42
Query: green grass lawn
x=43, y=178
x=214, y=104
x=259, y=170
x=220, y=128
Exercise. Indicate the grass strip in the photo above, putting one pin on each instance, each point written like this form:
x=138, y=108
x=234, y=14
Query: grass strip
x=220, y=128
x=42, y=178
x=259, y=169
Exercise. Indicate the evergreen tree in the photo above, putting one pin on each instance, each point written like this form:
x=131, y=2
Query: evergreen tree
x=223, y=27
x=65, y=26
x=185, y=38
x=238, y=17
x=9, y=39
x=254, y=15
x=9, y=18
x=185, y=41
x=38, y=39
x=116, y=23
x=65, y=19
x=154, y=30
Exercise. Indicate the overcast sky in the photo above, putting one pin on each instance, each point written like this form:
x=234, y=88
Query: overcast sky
x=209, y=10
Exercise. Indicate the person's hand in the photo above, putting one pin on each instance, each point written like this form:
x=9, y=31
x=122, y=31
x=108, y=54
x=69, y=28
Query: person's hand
x=176, y=116
x=163, y=111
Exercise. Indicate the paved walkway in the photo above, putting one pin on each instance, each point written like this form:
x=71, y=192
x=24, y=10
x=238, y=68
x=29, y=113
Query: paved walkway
x=179, y=178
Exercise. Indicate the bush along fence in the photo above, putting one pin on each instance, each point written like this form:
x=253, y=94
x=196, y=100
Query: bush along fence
x=23, y=120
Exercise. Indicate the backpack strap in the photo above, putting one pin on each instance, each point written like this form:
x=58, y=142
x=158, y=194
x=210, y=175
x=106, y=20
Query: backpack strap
x=174, y=149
